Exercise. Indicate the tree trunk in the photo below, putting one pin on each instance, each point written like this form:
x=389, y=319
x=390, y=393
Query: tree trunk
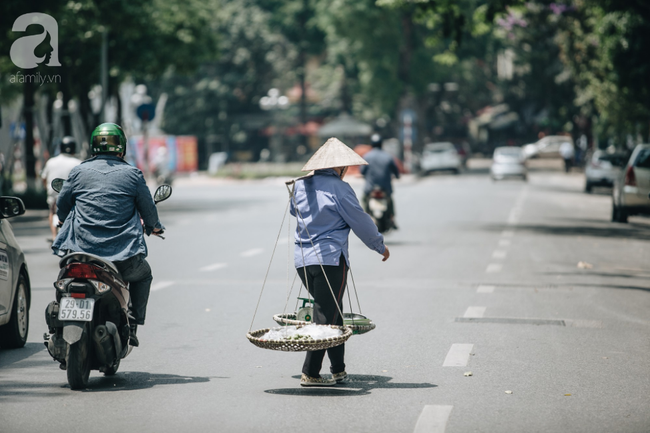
x=28, y=114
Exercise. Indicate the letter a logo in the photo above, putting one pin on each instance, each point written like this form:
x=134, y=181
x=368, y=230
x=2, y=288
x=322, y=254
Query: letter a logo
x=22, y=51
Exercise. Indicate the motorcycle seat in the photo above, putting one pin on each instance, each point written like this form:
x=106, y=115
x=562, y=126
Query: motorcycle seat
x=88, y=258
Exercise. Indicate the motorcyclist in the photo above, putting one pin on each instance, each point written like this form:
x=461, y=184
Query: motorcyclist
x=101, y=206
x=379, y=172
x=58, y=167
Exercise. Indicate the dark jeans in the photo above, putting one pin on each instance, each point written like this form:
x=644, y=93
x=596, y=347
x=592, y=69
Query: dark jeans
x=137, y=272
x=325, y=311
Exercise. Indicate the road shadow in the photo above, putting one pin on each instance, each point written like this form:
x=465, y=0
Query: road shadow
x=606, y=230
x=357, y=384
x=135, y=380
x=11, y=356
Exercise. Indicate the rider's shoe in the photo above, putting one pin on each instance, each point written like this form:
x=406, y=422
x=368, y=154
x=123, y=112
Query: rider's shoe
x=133, y=339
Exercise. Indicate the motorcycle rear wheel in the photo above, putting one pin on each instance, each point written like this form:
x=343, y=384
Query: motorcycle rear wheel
x=78, y=363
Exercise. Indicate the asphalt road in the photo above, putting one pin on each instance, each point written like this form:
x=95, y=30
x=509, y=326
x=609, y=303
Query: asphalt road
x=505, y=307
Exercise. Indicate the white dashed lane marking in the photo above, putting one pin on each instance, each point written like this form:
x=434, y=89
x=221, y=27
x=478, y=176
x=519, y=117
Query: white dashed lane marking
x=475, y=312
x=253, y=252
x=504, y=242
x=213, y=267
x=494, y=268
x=433, y=419
x=485, y=289
x=161, y=285
x=458, y=355
x=499, y=254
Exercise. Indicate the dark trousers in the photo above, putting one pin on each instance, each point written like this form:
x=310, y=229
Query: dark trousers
x=325, y=311
x=137, y=272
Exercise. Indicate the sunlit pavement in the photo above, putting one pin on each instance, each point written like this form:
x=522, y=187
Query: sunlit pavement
x=505, y=306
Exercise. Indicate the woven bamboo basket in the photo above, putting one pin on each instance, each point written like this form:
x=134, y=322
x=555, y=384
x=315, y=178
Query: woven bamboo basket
x=299, y=345
x=358, y=323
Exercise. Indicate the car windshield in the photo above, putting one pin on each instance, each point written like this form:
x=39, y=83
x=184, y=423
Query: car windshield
x=438, y=147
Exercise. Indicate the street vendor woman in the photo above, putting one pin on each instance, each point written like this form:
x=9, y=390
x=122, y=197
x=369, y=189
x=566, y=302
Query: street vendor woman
x=326, y=208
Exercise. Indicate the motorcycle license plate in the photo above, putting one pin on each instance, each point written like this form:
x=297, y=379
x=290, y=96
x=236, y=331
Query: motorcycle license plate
x=76, y=310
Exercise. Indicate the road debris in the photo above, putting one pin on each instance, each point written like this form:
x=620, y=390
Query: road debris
x=585, y=265
x=468, y=373
x=508, y=392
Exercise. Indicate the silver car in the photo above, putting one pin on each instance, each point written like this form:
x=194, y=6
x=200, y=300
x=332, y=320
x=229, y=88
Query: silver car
x=603, y=168
x=508, y=161
x=440, y=156
x=632, y=186
x=15, y=294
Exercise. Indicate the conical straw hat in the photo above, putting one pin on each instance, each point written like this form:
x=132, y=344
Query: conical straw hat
x=334, y=153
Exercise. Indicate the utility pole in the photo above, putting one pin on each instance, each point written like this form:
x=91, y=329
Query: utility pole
x=104, y=74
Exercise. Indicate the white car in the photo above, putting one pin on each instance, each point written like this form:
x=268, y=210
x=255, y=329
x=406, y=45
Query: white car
x=546, y=147
x=632, y=186
x=439, y=157
x=15, y=294
x=602, y=169
x=508, y=161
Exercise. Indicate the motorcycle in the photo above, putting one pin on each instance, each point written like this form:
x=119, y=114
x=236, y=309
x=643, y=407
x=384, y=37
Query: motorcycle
x=89, y=322
x=378, y=210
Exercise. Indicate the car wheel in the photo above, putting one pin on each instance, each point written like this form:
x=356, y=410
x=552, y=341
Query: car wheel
x=588, y=187
x=13, y=335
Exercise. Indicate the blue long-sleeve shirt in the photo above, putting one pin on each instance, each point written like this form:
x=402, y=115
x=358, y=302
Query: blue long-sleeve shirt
x=326, y=208
x=380, y=170
x=100, y=205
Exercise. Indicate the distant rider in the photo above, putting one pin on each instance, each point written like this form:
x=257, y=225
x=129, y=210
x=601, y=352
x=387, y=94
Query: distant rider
x=379, y=172
x=58, y=167
x=100, y=205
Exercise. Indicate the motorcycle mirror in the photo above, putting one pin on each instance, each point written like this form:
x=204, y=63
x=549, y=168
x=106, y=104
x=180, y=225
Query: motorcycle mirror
x=11, y=207
x=162, y=193
x=57, y=184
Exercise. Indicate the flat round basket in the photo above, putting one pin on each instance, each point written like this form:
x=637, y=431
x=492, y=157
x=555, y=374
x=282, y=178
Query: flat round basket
x=358, y=323
x=298, y=345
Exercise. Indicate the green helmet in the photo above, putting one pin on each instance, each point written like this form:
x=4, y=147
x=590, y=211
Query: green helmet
x=108, y=138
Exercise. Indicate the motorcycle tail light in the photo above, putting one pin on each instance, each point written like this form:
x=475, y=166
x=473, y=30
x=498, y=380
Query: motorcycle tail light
x=80, y=270
x=78, y=295
x=377, y=194
x=100, y=287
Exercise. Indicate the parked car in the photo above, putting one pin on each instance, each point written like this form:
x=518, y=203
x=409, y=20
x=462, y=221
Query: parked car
x=508, y=161
x=546, y=147
x=440, y=156
x=15, y=294
x=632, y=186
x=603, y=168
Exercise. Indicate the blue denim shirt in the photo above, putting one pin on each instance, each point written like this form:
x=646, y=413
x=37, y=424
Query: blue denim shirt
x=380, y=170
x=328, y=208
x=101, y=204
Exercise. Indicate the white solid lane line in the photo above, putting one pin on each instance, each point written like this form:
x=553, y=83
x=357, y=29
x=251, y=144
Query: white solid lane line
x=253, y=252
x=485, y=289
x=213, y=267
x=458, y=355
x=475, y=312
x=499, y=254
x=494, y=268
x=433, y=419
x=161, y=285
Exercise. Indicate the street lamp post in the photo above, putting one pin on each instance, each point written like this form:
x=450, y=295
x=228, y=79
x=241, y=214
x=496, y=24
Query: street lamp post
x=272, y=102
